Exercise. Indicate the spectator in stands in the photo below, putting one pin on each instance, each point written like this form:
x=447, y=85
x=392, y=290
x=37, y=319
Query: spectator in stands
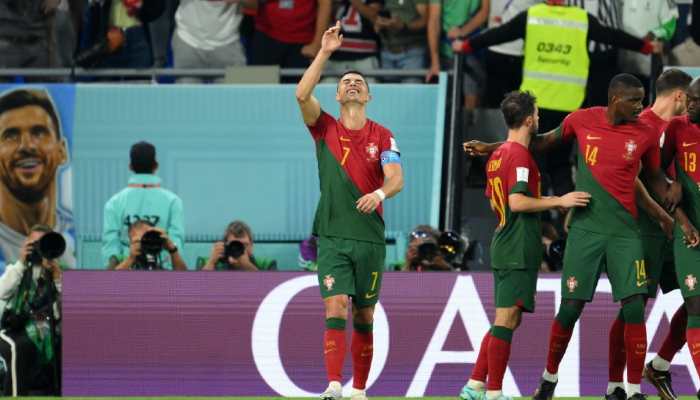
x=602, y=54
x=423, y=253
x=235, y=252
x=288, y=32
x=504, y=62
x=206, y=35
x=142, y=200
x=129, y=17
x=160, y=31
x=401, y=27
x=452, y=20
x=32, y=151
x=30, y=342
x=147, y=244
x=654, y=20
x=26, y=39
x=360, y=46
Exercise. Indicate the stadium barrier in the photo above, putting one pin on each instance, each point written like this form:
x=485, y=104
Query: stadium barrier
x=239, y=334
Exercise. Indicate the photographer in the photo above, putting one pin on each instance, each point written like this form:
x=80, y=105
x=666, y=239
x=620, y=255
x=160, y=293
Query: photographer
x=147, y=246
x=235, y=252
x=30, y=336
x=423, y=253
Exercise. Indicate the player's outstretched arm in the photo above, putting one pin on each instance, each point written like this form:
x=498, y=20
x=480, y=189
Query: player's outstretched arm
x=691, y=237
x=310, y=108
x=647, y=203
x=519, y=202
x=393, y=183
x=540, y=143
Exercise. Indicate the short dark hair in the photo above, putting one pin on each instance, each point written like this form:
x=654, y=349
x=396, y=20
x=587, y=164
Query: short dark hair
x=143, y=157
x=516, y=107
x=354, y=71
x=31, y=97
x=238, y=229
x=623, y=81
x=672, y=79
x=139, y=224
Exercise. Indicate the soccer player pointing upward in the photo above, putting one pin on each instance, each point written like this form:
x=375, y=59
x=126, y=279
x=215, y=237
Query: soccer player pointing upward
x=359, y=167
x=516, y=249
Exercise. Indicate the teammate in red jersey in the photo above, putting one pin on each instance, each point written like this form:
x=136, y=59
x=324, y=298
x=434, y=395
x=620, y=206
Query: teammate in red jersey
x=670, y=102
x=682, y=146
x=604, y=235
x=516, y=249
x=359, y=167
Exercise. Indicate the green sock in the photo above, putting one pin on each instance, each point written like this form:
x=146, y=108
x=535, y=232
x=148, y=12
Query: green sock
x=502, y=333
x=568, y=315
x=633, y=311
x=362, y=328
x=335, y=323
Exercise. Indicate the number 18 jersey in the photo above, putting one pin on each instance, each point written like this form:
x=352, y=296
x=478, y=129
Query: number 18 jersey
x=517, y=242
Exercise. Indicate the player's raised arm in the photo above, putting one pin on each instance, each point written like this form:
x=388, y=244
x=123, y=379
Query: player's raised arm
x=310, y=108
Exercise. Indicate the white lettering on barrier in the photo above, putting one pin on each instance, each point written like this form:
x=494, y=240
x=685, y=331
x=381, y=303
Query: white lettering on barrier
x=464, y=300
x=265, y=339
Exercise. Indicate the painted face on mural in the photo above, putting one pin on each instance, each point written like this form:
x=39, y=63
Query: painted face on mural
x=30, y=152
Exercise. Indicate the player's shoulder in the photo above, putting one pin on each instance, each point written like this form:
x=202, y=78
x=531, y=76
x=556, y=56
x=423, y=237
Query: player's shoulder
x=590, y=112
x=678, y=122
x=376, y=126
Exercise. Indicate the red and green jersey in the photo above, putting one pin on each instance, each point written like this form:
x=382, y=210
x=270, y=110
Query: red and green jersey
x=648, y=225
x=682, y=143
x=608, y=163
x=517, y=242
x=349, y=167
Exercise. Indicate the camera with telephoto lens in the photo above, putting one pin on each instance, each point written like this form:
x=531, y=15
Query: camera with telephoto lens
x=234, y=249
x=51, y=246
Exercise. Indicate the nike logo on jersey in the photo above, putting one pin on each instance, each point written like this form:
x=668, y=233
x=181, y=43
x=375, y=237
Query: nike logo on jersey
x=344, y=139
x=689, y=144
x=642, y=283
x=368, y=296
x=589, y=137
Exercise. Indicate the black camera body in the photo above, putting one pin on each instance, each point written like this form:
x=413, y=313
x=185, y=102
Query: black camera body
x=51, y=246
x=233, y=249
x=152, y=244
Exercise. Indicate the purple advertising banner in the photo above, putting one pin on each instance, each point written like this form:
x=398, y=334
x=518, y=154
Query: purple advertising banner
x=260, y=334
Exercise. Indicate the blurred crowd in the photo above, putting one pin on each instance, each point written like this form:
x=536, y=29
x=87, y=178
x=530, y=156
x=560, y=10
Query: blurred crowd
x=378, y=34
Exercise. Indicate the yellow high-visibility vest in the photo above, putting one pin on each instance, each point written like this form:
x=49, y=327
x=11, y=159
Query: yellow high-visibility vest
x=555, y=68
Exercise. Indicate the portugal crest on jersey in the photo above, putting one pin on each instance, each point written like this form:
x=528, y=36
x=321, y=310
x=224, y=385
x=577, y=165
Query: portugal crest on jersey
x=328, y=282
x=372, y=151
x=691, y=281
x=572, y=284
x=630, y=147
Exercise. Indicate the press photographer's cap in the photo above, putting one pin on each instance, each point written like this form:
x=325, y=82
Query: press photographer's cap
x=143, y=157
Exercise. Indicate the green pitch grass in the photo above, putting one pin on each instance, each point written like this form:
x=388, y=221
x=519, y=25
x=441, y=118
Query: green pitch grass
x=299, y=398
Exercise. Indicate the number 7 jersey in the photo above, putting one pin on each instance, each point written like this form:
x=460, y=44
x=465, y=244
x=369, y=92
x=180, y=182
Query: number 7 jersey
x=517, y=242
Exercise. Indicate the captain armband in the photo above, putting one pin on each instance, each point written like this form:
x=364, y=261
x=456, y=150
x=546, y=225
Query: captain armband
x=390, y=157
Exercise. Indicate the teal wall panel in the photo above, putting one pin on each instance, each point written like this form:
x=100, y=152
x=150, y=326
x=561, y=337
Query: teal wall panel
x=243, y=152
